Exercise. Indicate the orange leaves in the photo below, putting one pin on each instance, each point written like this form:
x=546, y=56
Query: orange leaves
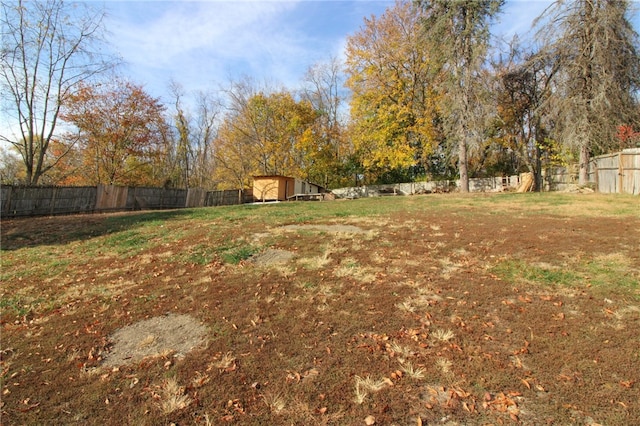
x=120, y=126
x=627, y=383
x=503, y=403
x=455, y=397
x=306, y=376
x=626, y=135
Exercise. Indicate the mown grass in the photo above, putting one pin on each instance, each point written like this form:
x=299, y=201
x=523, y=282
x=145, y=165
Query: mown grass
x=606, y=273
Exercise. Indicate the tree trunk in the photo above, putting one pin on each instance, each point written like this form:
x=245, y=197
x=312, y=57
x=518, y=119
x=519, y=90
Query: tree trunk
x=583, y=176
x=462, y=165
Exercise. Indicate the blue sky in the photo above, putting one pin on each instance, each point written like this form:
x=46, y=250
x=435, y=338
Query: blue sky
x=203, y=45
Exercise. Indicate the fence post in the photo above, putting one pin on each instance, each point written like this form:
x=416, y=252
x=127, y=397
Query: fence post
x=620, y=189
x=53, y=200
x=7, y=202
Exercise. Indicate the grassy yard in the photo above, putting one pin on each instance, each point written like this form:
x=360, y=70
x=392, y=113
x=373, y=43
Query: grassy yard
x=436, y=309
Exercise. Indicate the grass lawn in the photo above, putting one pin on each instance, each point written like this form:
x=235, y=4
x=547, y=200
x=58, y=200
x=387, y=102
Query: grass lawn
x=435, y=309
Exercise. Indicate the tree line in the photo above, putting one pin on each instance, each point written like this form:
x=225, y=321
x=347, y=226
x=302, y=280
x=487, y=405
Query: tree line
x=425, y=92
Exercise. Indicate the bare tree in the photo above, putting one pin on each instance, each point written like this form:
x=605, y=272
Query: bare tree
x=182, y=124
x=208, y=108
x=458, y=34
x=596, y=87
x=47, y=49
x=520, y=124
x=322, y=88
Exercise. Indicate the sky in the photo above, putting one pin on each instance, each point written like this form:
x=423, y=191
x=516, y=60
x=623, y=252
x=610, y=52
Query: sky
x=204, y=45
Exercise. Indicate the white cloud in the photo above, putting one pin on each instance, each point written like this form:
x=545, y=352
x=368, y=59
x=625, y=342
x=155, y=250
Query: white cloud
x=204, y=42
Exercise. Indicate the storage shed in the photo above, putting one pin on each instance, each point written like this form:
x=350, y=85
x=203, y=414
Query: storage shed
x=282, y=188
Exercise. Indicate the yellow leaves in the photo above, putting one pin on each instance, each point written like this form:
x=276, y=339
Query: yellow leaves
x=391, y=106
x=265, y=134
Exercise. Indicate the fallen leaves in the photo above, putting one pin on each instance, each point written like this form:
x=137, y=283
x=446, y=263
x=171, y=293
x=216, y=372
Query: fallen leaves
x=627, y=383
x=503, y=403
x=306, y=376
x=449, y=398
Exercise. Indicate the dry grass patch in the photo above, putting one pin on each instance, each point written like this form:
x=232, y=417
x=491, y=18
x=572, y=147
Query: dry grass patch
x=443, y=335
x=411, y=371
x=275, y=401
x=444, y=365
x=227, y=362
x=172, y=397
x=351, y=268
x=366, y=385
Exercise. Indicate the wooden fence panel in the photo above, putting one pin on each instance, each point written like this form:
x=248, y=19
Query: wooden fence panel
x=111, y=198
x=195, y=197
x=630, y=171
x=45, y=201
x=607, y=167
x=227, y=198
x=69, y=200
x=155, y=198
x=618, y=173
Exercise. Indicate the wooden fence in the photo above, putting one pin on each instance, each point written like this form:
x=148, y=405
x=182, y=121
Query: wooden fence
x=611, y=173
x=17, y=201
x=617, y=173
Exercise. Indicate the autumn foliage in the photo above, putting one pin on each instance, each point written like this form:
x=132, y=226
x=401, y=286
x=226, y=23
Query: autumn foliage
x=119, y=136
x=393, y=105
x=627, y=136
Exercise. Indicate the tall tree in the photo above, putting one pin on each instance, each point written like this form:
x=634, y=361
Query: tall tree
x=182, y=124
x=48, y=48
x=208, y=109
x=597, y=50
x=262, y=134
x=392, y=104
x=457, y=38
x=189, y=158
x=120, y=130
x=322, y=89
x=519, y=130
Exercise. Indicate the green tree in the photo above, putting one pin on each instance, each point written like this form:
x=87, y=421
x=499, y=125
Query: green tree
x=457, y=39
x=48, y=49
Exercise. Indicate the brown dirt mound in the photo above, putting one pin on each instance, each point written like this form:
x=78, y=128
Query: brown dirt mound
x=155, y=336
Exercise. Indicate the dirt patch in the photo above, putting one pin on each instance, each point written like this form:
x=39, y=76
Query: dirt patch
x=172, y=333
x=348, y=229
x=271, y=257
